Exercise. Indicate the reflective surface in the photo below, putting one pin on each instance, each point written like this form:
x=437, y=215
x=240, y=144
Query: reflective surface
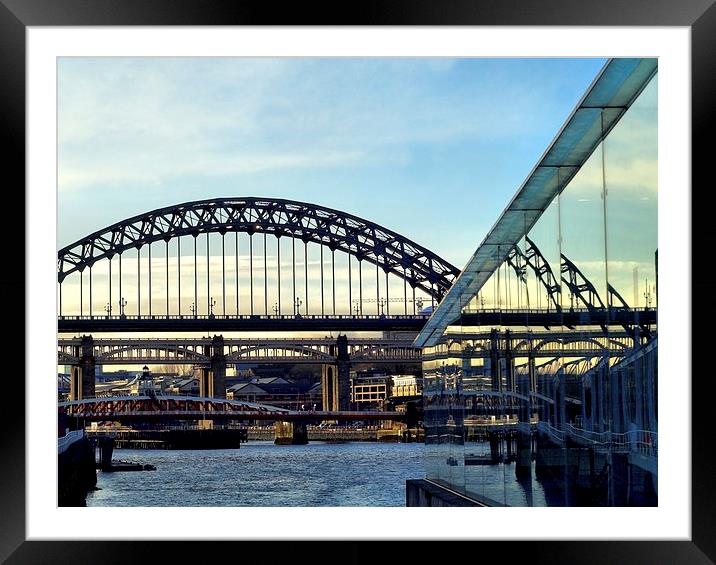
x=263, y=474
x=567, y=412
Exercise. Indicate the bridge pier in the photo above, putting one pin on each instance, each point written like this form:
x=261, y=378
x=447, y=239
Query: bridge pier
x=523, y=462
x=494, y=367
x=329, y=387
x=290, y=433
x=105, y=449
x=343, y=367
x=212, y=379
x=509, y=364
x=82, y=376
x=495, y=446
x=218, y=368
x=335, y=379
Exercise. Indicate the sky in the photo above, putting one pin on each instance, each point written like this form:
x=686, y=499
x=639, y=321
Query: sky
x=433, y=149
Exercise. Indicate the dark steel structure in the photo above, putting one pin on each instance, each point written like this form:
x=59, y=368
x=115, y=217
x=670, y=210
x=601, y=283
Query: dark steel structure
x=366, y=241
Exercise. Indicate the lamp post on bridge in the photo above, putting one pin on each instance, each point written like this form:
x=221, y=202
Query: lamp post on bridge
x=275, y=309
x=122, y=304
x=356, y=307
x=382, y=304
x=192, y=308
x=298, y=307
x=212, y=303
x=108, y=309
x=647, y=294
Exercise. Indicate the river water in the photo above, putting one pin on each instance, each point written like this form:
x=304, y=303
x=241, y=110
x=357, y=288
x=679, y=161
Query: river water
x=264, y=474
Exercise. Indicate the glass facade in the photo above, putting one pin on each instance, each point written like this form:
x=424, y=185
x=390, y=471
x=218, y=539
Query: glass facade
x=560, y=409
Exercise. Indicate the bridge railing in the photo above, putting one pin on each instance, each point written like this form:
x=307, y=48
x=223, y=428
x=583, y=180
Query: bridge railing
x=248, y=317
x=544, y=309
x=642, y=441
x=555, y=434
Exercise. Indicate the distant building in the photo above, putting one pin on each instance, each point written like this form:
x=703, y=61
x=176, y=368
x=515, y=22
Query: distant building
x=187, y=386
x=370, y=391
x=277, y=391
x=407, y=385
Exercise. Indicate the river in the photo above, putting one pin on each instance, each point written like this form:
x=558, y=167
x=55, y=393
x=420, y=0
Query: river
x=264, y=474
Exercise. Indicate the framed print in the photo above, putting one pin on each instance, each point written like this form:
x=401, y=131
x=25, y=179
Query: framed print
x=405, y=260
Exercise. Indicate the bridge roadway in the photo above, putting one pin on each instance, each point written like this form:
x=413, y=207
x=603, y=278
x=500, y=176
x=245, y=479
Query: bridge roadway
x=88, y=324
x=577, y=317
x=130, y=350
x=158, y=408
x=126, y=350
x=570, y=318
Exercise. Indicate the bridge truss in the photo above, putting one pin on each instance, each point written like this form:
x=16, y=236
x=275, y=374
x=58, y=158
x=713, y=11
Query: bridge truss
x=286, y=291
x=123, y=351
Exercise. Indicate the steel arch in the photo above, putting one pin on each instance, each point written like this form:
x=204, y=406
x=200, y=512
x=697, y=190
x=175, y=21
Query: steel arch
x=363, y=239
x=190, y=356
x=64, y=358
x=305, y=352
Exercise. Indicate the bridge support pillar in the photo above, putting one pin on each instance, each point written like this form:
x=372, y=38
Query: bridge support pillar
x=105, y=448
x=523, y=461
x=217, y=381
x=495, y=451
x=329, y=387
x=495, y=361
x=212, y=379
x=291, y=433
x=204, y=379
x=509, y=363
x=82, y=376
x=619, y=478
x=343, y=367
x=335, y=379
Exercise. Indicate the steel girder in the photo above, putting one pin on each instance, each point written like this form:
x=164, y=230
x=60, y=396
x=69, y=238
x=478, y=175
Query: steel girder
x=578, y=284
x=363, y=239
x=540, y=265
x=622, y=306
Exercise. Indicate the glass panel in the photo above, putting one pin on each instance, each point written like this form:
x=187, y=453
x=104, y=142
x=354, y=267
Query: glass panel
x=542, y=251
x=631, y=179
x=582, y=235
x=579, y=385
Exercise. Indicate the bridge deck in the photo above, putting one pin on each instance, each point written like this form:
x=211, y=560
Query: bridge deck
x=240, y=323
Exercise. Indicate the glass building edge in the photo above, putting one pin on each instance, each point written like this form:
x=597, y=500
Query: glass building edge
x=620, y=82
x=603, y=220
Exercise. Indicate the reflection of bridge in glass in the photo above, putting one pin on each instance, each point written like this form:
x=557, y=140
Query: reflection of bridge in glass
x=401, y=262
x=549, y=325
x=578, y=240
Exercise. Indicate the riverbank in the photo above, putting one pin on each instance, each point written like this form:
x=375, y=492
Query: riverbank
x=76, y=475
x=338, y=434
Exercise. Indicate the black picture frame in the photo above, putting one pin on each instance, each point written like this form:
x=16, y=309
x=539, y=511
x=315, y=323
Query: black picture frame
x=17, y=15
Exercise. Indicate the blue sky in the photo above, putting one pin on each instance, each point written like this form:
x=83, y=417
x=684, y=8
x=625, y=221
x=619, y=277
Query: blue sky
x=431, y=148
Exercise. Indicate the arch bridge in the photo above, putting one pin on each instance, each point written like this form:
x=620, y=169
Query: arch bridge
x=160, y=408
x=217, y=264
x=197, y=351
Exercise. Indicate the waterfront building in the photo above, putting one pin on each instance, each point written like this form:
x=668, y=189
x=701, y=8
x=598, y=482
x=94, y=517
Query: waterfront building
x=277, y=391
x=542, y=357
x=187, y=386
x=406, y=386
x=370, y=391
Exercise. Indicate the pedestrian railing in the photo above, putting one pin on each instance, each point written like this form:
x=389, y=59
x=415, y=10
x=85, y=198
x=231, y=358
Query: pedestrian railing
x=633, y=441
